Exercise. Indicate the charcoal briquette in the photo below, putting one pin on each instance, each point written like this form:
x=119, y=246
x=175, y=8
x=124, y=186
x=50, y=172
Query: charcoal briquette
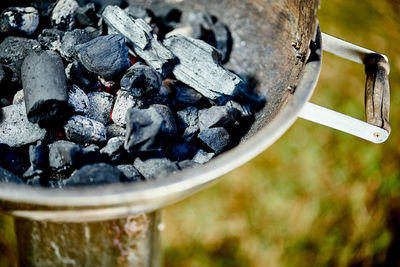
x=130, y=172
x=64, y=155
x=51, y=39
x=139, y=33
x=45, y=88
x=123, y=102
x=217, y=116
x=13, y=51
x=71, y=40
x=86, y=15
x=84, y=130
x=15, y=128
x=84, y=79
x=217, y=139
x=78, y=100
x=200, y=67
x=62, y=16
x=143, y=130
x=140, y=80
x=114, y=150
x=106, y=56
x=19, y=20
x=38, y=156
x=188, y=122
x=100, y=106
x=203, y=157
x=152, y=169
x=9, y=177
x=95, y=174
x=169, y=127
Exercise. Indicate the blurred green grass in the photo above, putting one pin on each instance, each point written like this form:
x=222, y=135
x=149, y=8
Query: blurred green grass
x=317, y=197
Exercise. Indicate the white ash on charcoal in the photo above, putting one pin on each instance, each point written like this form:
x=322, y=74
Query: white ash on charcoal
x=106, y=56
x=45, y=88
x=217, y=139
x=86, y=15
x=144, y=129
x=15, y=128
x=78, y=100
x=200, y=67
x=140, y=35
x=189, y=123
x=78, y=75
x=217, y=116
x=84, y=130
x=123, y=102
x=169, y=127
x=155, y=168
x=71, y=40
x=100, y=106
x=203, y=157
x=62, y=16
x=14, y=20
x=18, y=97
x=13, y=51
x=64, y=156
x=51, y=39
x=9, y=177
x=114, y=151
x=141, y=80
x=38, y=156
x=95, y=174
x=114, y=130
x=130, y=172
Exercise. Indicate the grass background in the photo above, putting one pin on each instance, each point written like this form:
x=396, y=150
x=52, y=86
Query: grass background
x=317, y=197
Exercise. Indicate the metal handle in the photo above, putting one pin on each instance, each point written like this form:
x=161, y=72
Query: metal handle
x=377, y=94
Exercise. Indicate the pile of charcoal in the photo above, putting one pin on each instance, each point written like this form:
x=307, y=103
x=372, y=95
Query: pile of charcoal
x=98, y=92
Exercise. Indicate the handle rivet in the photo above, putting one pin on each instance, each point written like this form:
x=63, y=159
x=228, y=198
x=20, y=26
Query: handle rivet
x=377, y=135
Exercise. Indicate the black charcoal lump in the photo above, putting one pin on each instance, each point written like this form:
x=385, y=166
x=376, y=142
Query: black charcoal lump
x=106, y=56
x=183, y=151
x=139, y=33
x=200, y=67
x=62, y=16
x=70, y=40
x=100, y=106
x=38, y=155
x=218, y=116
x=95, y=174
x=15, y=128
x=123, y=102
x=140, y=80
x=114, y=150
x=9, y=177
x=217, y=139
x=86, y=15
x=19, y=19
x=78, y=100
x=130, y=172
x=51, y=39
x=84, y=130
x=45, y=87
x=64, y=155
x=169, y=127
x=155, y=168
x=143, y=130
x=189, y=122
x=77, y=74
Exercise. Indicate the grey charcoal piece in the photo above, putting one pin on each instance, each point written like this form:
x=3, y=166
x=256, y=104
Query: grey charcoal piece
x=51, y=39
x=71, y=40
x=217, y=116
x=106, y=56
x=64, y=155
x=15, y=129
x=124, y=101
x=140, y=80
x=244, y=110
x=139, y=33
x=45, y=87
x=143, y=130
x=13, y=51
x=62, y=16
x=218, y=139
x=19, y=19
x=100, y=106
x=203, y=157
x=114, y=149
x=86, y=15
x=78, y=100
x=18, y=97
x=84, y=130
x=130, y=172
x=186, y=95
x=186, y=164
x=38, y=156
x=114, y=130
x=189, y=122
x=152, y=169
x=169, y=128
x=9, y=177
x=200, y=67
x=95, y=174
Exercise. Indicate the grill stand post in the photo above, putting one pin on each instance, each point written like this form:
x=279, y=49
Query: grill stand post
x=130, y=241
